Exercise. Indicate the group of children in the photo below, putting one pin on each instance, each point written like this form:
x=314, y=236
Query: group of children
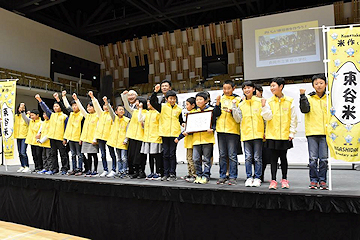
x=153, y=127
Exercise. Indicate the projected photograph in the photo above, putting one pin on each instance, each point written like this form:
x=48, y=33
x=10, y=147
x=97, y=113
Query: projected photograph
x=289, y=44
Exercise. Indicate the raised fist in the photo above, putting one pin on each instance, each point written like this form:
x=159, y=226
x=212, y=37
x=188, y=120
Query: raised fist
x=75, y=96
x=157, y=88
x=91, y=94
x=302, y=91
x=63, y=93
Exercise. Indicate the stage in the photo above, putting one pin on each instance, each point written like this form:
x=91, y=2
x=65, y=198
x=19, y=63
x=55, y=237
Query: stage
x=100, y=208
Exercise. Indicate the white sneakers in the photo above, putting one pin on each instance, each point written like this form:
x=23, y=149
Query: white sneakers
x=256, y=182
x=111, y=174
x=20, y=169
x=26, y=170
x=104, y=174
x=250, y=182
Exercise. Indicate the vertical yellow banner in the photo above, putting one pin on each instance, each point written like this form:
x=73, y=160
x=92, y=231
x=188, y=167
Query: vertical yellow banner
x=343, y=132
x=7, y=102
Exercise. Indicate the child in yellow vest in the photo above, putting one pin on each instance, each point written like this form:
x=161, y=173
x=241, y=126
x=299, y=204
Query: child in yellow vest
x=314, y=106
x=102, y=134
x=169, y=128
x=135, y=134
x=44, y=142
x=203, y=143
x=72, y=135
x=280, y=130
x=88, y=141
x=152, y=141
x=117, y=138
x=190, y=107
x=228, y=133
x=34, y=123
x=249, y=114
x=20, y=132
x=58, y=122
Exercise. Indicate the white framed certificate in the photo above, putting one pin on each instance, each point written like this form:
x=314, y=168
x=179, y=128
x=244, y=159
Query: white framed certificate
x=198, y=122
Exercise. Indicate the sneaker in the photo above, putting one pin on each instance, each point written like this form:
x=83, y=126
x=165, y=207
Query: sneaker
x=72, y=173
x=172, y=177
x=111, y=174
x=63, y=172
x=191, y=179
x=232, y=181
x=87, y=174
x=249, y=182
x=185, y=177
x=273, y=185
x=204, y=180
x=150, y=176
x=165, y=178
x=256, y=182
x=42, y=171
x=323, y=185
x=197, y=180
x=20, y=169
x=49, y=172
x=26, y=170
x=79, y=173
x=104, y=174
x=221, y=181
x=133, y=176
x=94, y=174
x=285, y=184
x=156, y=177
x=313, y=185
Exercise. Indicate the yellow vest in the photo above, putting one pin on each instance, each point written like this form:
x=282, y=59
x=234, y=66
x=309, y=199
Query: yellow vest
x=44, y=132
x=278, y=128
x=118, y=133
x=20, y=128
x=57, y=126
x=104, y=125
x=88, y=131
x=315, y=120
x=151, y=127
x=135, y=130
x=169, y=125
x=225, y=122
x=203, y=137
x=34, y=127
x=188, y=142
x=73, y=127
x=252, y=123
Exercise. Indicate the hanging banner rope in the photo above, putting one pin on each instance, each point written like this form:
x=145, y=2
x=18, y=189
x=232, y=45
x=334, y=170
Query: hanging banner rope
x=7, y=103
x=343, y=131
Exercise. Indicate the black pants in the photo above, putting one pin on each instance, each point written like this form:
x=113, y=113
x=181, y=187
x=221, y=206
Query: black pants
x=273, y=156
x=136, y=160
x=156, y=159
x=46, y=159
x=169, y=156
x=58, y=145
x=36, y=152
x=89, y=161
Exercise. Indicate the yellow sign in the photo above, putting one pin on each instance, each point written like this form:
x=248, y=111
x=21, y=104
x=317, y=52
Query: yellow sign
x=343, y=131
x=7, y=105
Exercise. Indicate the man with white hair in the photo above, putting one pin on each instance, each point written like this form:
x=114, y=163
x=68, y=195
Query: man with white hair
x=128, y=98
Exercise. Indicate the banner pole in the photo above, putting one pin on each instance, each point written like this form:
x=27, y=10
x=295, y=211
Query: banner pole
x=326, y=60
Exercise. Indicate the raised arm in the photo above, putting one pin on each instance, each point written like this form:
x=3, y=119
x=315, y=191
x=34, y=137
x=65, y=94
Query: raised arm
x=125, y=101
x=26, y=118
x=154, y=101
x=66, y=102
x=80, y=106
x=43, y=106
x=96, y=104
x=141, y=117
x=111, y=110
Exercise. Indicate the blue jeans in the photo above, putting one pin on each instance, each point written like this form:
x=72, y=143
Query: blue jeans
x=228, y=144
x=205, y=150
x=122, y=160
x=318, y=151
x=253, y=153
x=24, y=160
x=75, y=149
x=102, y=146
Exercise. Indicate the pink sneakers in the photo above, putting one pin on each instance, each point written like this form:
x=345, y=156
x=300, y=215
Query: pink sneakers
x=285, y=184
x=273, y=185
